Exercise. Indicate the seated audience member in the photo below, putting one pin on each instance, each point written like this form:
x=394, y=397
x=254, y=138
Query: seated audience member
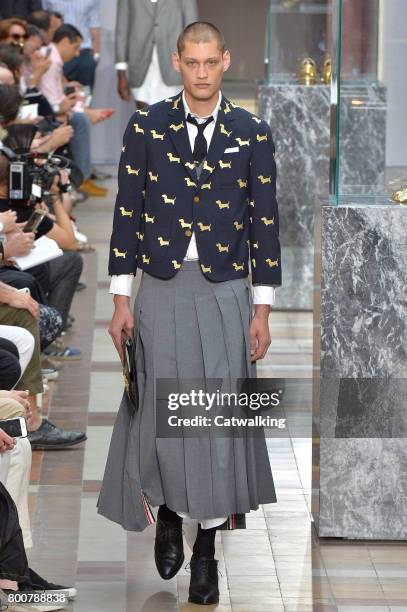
x=15, y=573
x=85, y=16
x=19, y=309
x=10, y=369
x=6, y=76
x=11, y=102
x=63, y=272
x=46, y=22
x=65, y=46
x=13, y=31
x=18, y=8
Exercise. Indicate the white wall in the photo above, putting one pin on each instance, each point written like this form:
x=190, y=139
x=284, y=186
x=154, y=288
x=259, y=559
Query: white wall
x=394, y=74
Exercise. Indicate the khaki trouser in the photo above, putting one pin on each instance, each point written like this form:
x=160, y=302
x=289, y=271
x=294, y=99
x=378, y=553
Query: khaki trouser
x=17, y=476
x=31, y=379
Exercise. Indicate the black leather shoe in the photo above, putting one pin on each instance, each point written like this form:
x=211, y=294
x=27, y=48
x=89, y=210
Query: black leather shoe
x=168, y=548
x=203, y=588
x=48, y=436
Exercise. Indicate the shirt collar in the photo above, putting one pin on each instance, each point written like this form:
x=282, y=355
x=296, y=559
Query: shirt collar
x=214, y=114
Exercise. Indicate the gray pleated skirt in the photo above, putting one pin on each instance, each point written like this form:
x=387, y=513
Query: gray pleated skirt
x=185, y=327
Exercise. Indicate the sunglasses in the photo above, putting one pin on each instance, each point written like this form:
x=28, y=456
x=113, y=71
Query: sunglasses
x=18, y=37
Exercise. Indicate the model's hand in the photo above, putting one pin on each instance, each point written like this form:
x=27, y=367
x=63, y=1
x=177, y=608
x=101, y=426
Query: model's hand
x=6, y=442
x=123, y=86
x=122, y=323
x=259, y=333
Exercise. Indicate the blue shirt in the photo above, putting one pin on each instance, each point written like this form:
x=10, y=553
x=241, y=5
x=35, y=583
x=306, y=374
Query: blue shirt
x=83, y=14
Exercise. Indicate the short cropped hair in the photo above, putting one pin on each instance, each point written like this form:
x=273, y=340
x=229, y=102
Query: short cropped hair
x=41, y=19
x=69, y=31
x=201, y=31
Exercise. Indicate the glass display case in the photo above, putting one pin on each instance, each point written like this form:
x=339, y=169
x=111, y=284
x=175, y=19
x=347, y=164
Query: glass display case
x=358, y=102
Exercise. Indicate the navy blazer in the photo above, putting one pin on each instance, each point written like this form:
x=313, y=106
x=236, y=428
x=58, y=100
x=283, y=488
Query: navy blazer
x=232, y=208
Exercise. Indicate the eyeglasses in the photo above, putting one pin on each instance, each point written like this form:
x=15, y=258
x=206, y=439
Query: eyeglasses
x=18, y=37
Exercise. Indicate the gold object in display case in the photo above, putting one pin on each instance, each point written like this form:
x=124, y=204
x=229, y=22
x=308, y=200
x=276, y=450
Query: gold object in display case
x=400, y=196
x=327, y=71
x=290, y=3
x=307, y=73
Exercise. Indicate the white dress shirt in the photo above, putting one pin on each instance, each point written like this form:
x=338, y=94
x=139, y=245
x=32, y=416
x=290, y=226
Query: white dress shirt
x=122, y=284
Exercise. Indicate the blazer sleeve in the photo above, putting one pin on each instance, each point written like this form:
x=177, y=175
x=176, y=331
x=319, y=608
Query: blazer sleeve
x=122, y=31
x=129, y=205
x=190, y=11
x=265, y=252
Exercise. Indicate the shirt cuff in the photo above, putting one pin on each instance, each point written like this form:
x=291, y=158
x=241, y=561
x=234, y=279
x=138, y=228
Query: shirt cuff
x=121, y=284
x=121, y=66
x=263, y=294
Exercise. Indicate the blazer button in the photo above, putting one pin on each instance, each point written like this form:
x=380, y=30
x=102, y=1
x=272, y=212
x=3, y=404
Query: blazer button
x=188, y=233
x=197, y=199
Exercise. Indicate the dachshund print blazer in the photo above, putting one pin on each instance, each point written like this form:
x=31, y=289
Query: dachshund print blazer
x=232, y=207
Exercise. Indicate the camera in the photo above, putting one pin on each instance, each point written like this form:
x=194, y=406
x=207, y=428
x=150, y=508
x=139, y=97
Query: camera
x=31, y=174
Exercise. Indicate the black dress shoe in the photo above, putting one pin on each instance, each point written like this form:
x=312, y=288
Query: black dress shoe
x=48, y=436
x=168, y=548
x=203, y=588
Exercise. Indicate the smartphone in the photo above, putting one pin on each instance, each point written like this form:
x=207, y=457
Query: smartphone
x=34, y=221
x=69, y=89
x=28, y=111
x=16, y=428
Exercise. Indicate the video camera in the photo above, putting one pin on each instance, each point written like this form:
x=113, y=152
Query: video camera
x=29, y=180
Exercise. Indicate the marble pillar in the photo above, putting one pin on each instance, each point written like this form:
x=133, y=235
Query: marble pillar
x=299, y=119
x=360, y=368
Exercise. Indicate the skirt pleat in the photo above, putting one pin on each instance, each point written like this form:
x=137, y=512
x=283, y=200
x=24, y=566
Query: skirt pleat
x=186, y=327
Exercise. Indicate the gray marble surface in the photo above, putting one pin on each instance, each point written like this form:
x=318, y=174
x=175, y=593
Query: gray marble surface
x=299, y=119
x=361, y=416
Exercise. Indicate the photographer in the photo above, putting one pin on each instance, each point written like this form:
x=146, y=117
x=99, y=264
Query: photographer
x=63, y=272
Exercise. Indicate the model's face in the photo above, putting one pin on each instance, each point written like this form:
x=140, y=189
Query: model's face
x=201, y=66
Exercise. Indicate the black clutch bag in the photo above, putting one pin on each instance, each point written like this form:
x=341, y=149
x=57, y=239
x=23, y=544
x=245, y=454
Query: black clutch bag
x=129, y=371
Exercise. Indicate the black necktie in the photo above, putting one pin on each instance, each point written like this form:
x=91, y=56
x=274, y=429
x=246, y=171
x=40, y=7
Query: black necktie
x=200, y=146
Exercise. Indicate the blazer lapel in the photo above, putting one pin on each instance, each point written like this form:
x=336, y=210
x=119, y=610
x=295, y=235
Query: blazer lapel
x=177, y=129
x=221, y=137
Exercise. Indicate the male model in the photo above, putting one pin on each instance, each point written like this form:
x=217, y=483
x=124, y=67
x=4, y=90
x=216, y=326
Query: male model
x=196, y=201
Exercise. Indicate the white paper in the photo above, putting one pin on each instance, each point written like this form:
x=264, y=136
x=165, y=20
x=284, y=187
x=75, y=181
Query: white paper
x=45, y=250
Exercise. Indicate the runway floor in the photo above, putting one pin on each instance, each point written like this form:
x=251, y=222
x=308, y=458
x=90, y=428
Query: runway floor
x=277, y=564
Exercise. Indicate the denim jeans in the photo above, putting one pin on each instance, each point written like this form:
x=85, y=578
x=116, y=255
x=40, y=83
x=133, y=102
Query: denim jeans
x=80, y=143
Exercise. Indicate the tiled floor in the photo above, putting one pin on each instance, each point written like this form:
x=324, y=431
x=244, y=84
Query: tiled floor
x=277, y=564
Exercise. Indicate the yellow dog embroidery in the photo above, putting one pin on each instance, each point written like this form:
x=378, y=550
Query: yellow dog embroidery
x=173, y=158
x=184, y=224
x=178, y=127
x=131, y=170
x=162, y=241
x=243, y=143
x=204, y=228
x=138, y=129
x=204, y=269
x=264, y=179
x=238, y=226
x=168, y=200
x=272, y=262
x=126, y=213
x=223, y=130
x=222, y=204
x=222, y=248
x=153, y=177
x=176, y=264
x=156, y=135
x=237, y=266
x=225, y=164
x=267, y=221
x=119, y=253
